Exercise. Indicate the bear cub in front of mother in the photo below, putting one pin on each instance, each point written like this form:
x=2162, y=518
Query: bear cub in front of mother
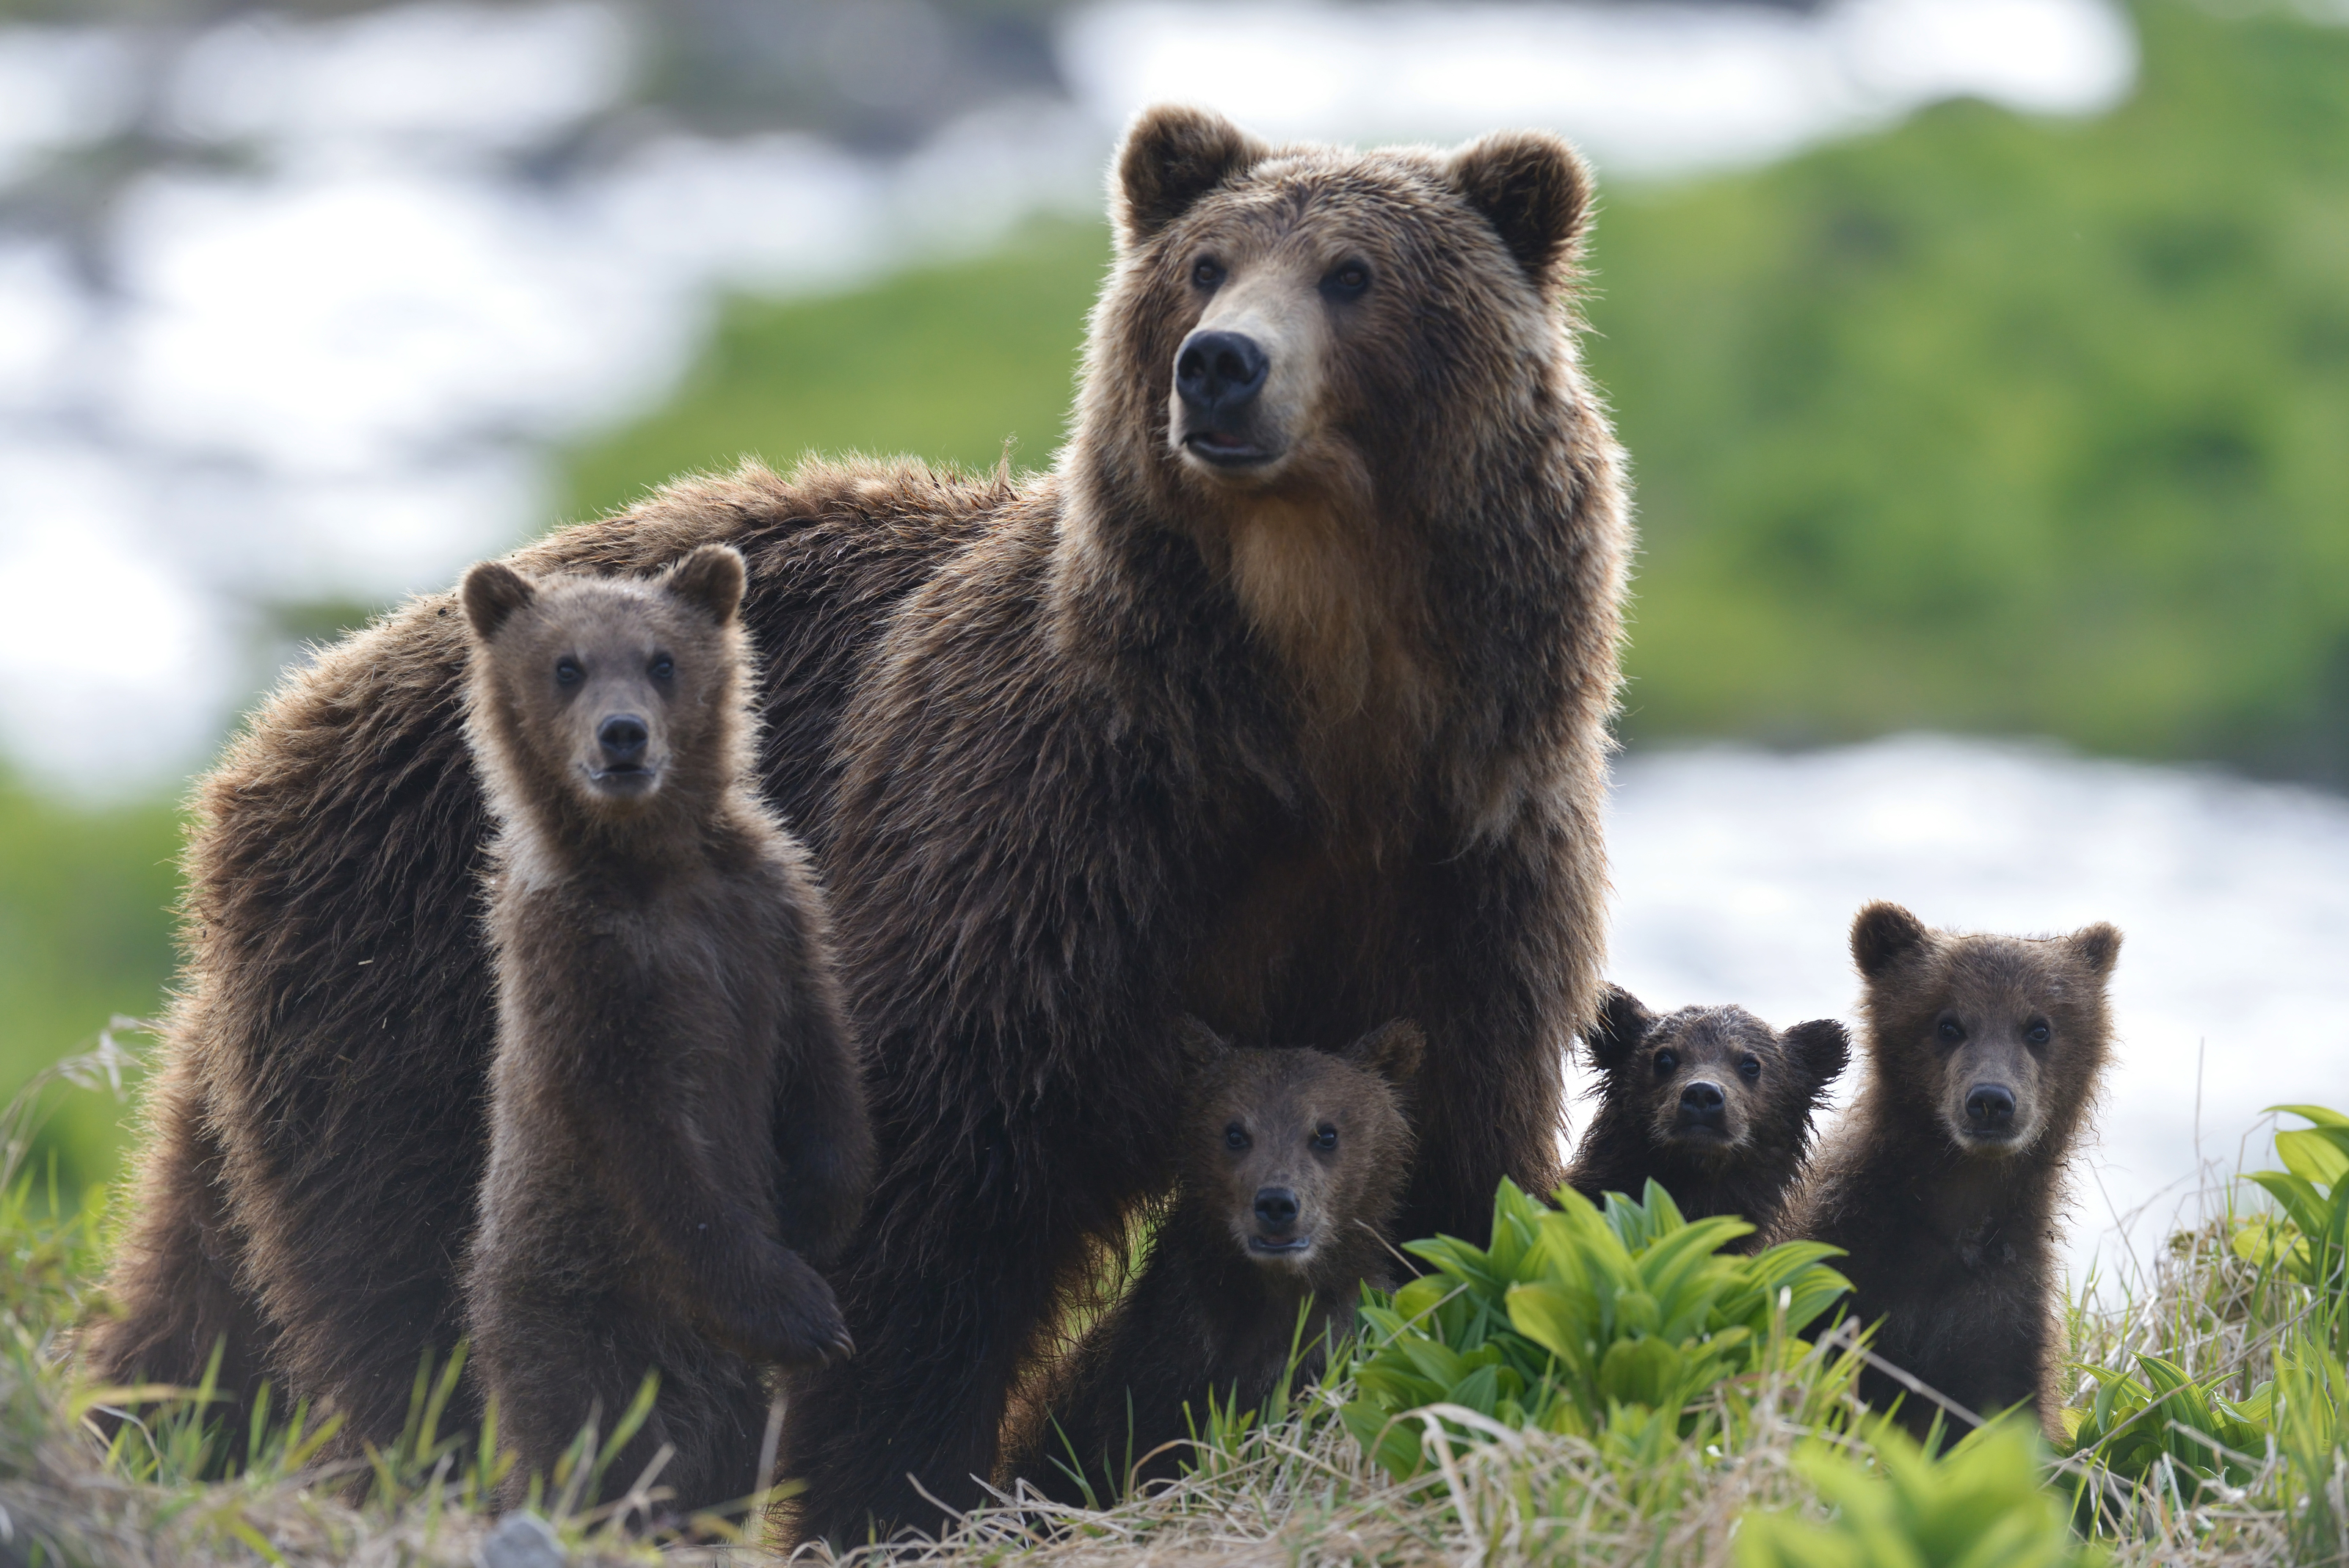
x=677, y=1128
x=1293, y=1162
x=1711, y=1103
x=1942, y=1182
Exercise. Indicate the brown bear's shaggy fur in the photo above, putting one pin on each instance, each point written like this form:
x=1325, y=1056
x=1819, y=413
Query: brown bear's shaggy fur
x=1288, y=710
x=1943, y=1178
x=1708, y=1103
x=674, y=1101
x=1292, y=1162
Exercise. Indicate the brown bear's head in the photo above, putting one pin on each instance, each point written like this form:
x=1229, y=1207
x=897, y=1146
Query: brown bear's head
x=1299, y=1154
x=1999, y=1038
x=603, y=697
x=1712, y=1083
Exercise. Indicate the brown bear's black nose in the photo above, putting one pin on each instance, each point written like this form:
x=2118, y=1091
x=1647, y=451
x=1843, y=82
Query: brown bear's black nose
x=623, y=737
x=1276, y=1208
x=1219, y=373
x=1990, y=1107
x=1702, y=1101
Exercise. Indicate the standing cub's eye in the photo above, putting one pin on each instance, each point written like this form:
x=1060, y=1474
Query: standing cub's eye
x=1206, y=273
x=2038, y=1033
x=1666, y=1062
x=1951, y=1031
x=663, y=666
x=1325, y=1137
x=1235, y=1137
x=1347, y=280
x=568, y=671
x=1750, y=1069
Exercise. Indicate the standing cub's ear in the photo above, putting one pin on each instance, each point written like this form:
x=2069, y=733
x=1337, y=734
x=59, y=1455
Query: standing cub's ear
x=1535, y=190
x=1392, y=1051
x=1883, y=935
x=2098, y=946
x=711, y=579
x=493, y=591
x=1823, y=1047
x=1617, y=1032
x=1173, y=156
x=1201, y=1046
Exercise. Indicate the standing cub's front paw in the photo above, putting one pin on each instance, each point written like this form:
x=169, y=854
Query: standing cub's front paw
x=796, y=1322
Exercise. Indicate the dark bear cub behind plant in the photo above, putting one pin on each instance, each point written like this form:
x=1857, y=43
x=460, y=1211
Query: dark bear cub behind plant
x=1943, y=1180
x=1292, y=1163
x=1708, y=1101
x=677, y=1128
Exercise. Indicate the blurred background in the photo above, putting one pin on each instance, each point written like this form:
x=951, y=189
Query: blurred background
x=1984, y=365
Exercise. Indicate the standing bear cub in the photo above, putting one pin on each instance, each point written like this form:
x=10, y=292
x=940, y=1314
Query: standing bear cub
x=676, y=1127
x=1293, y=1162
x=1708, y=1102
x=1943, y=1178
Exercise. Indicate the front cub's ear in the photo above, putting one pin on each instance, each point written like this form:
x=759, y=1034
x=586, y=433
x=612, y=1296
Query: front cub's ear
x=1617, y=1032
x=1823, y=1046
x=711, y=579
x=1201, y=1046
x=1393, y=1051
x=2098, y=947
x=493, y=592
x=1173, y=156
x=1882, y=935
x=1535, y=190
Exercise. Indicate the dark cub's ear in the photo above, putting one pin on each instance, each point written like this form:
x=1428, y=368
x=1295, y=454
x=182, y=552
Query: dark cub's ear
x=1617, y=1032
x=1392, y=1051
x=2098, y=947
x=493, y=591
x=1173, y=156
x=1823, y=1046
x=1201, y=1046
x=711, y=579
x=1883, y=935
x=1535, y=190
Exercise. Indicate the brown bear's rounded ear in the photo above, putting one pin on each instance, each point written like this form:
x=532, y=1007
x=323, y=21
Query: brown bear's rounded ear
x=2099, y=946
x=711, y=579
x=1824, y=1048
x=1173, y=155
x=493, y=592
x=1623, y=1023
x=1201, y=1046
x=1882, y=935
x=1393, y=1051
x=1535, y=190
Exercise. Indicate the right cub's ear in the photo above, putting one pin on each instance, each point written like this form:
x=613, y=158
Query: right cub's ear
x=493, y=592
x=1393, y=1051
x=1173, y=156
x=1883, y=935
x=711, y=579
x=1201, y=1046
x=1623, y=1023
x=1824, y=1048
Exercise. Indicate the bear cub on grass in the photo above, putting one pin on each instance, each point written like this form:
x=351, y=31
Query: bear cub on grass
x=1292, y=1163
x=678, y=1128
x=1708, y=1102
x=1943, y=1180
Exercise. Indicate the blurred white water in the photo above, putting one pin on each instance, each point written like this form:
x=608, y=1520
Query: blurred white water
x=1737, y=873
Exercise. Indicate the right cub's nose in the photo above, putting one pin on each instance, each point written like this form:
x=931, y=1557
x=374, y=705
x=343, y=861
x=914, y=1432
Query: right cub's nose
x=1219, y=372
x=1989, y=1107
x=1276, y=1208
x=623, y=738
x=1702, y=1101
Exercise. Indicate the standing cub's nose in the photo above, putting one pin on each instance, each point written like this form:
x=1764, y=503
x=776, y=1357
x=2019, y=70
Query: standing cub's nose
x=1219, y=372
x=623, y=737
x=1989, y=1107
x=1702, y=1103
x=1276, y=1208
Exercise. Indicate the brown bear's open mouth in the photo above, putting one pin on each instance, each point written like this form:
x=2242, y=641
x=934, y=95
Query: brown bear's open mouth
x=1224, y=449
x=631, y=779
x=1279, y=1248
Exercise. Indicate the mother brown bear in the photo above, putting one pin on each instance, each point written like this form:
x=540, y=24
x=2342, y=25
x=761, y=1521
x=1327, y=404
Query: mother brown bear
x=1281, y=699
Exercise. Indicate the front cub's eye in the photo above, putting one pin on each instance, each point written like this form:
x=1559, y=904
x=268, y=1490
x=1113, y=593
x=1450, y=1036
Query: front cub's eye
x=1667, y=1063
x=1750, y=1069
x=1348, y=281
x=1206, y=273
x=568, y=671
x=1951, y=1031
x=1325, y=1137
x=663, y=666
x=2038, y=1033
x=1235, y=1137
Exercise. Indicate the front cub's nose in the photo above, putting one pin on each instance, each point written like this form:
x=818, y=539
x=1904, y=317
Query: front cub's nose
x=1219, y=373
x=1276, y=1208
x=621, y=737
x=1702, y=1103
x=1989, y=1107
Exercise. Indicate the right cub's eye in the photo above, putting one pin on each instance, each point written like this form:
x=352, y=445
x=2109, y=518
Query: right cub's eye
x=1235, y=1137
x=568, y=671
x=1206, y=273
x=1951, y=1031
x=1667, y=1063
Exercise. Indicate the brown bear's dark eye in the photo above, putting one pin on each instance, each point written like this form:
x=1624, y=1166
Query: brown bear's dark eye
x=1235, y=1137
x=663, y=668
x=1666, y=1062
x=1347, y=281
x=1951, y=1031
x=567, y=672
x=2038, y=1033
x=1750, y=1069
x=1206, y=273
x=1325, y=1137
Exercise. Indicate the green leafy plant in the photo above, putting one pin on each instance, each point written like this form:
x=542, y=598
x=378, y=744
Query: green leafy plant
x=1981, y=1505
x=1579, y=1320
x=2168, y=1429
x=2309, y=1242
